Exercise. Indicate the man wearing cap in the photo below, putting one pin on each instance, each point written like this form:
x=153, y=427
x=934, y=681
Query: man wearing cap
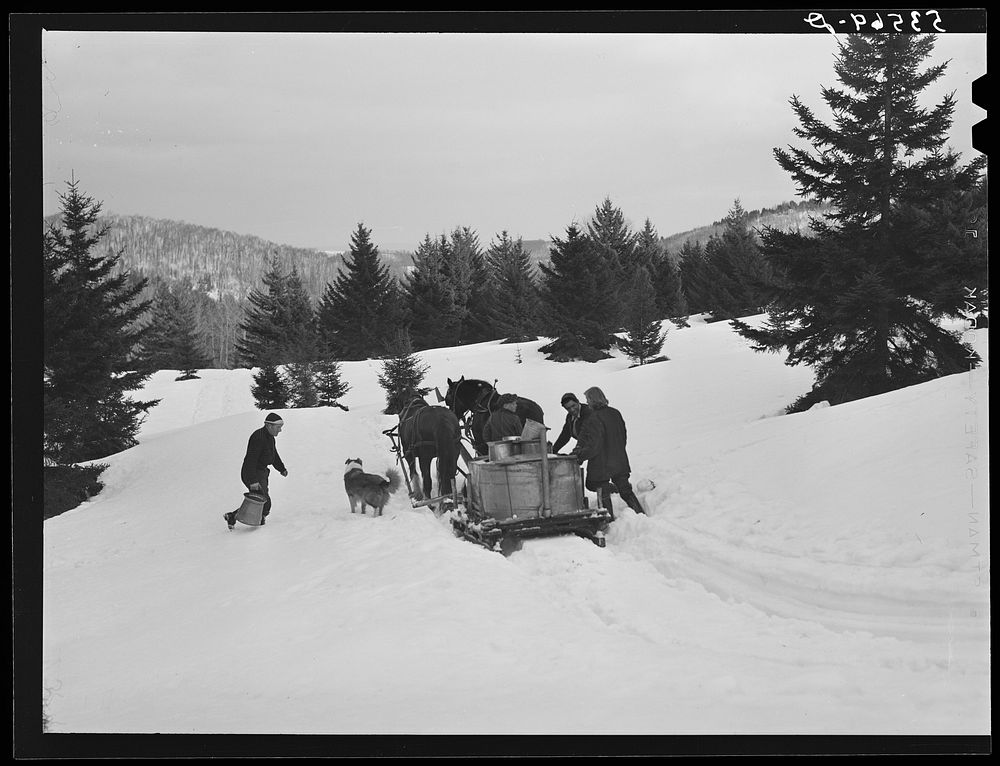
x=261, y=452
x=504, y=420
x=576, y=413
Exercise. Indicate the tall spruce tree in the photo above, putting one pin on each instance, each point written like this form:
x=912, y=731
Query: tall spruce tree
x=477, y=324
x=358, y=313
x=260, y=344
x=401, y=374
x=742, y=278
x=616, y=243
x=91, y=336
x=644, y=334
x=578, y=296
x=300, y=340
x=279, y=323
x=172, y=341
x=649, y=252
x=157, y=346
x=515, y=302
x=429, y=298
x=192, y=340
x=464, y=268
x=861, y=300
x=698, y=280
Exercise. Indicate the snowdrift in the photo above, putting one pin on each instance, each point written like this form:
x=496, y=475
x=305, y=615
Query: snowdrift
x=825, y=572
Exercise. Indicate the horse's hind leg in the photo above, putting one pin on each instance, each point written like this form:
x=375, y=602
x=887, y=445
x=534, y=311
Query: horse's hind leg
x=444, y=481
x=412, y=480
x=425, y=473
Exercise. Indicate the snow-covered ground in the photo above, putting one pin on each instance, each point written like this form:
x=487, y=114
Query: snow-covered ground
x=818, y=573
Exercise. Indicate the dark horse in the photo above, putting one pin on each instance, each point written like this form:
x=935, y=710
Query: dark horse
x=480, y=399
x=426, y=432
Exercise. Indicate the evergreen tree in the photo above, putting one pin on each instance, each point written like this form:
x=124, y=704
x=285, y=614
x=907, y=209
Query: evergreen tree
x=938, y=232
x=261, y=328
x=698, y=281
x=358, y=313
x=279, y=324
x=300, y=382
x=300, y=339
x=401, y=374
x=861, y=300
x=615, y=241
x=743, y=278
x=270, y=390
x=644, y=335
x=478, y=322
x=91, y=336
x=429, y=298
x=329, y=386
x=515, y=302
x=648, y=249
x=578, y=297
x=722, y=293
x=649, y=252
x=157, y=347
x=189, y=340
x=465, y=270
x=188, y=373
x=172, y=342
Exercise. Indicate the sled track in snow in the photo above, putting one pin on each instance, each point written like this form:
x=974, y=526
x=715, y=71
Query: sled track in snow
x=769, y=582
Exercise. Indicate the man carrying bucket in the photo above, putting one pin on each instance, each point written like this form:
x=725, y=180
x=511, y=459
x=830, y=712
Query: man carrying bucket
x=261, y=452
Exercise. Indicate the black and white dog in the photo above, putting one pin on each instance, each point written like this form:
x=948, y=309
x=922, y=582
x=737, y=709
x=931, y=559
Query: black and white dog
x=369, y=488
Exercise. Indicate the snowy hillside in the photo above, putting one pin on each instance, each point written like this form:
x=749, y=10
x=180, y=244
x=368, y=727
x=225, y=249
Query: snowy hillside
x=818, y=573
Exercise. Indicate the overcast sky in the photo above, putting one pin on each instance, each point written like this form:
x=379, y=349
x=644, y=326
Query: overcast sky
x=298, y=138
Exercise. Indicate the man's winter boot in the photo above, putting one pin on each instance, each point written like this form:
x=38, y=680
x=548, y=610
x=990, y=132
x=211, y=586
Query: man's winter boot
x=606, y=501
x=627, y=494
x=633, y=503
x=230, y=519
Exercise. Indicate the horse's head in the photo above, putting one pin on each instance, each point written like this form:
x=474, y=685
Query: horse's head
x=451, y=396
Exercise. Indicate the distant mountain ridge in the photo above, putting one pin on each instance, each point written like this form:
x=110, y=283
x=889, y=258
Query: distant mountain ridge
x=218, y=262
x=788, y=216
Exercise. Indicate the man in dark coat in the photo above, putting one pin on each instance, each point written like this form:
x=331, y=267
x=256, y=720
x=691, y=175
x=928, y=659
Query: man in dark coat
x=504, y=420
x=576, y=413
x=602, y=444
x=262, y=451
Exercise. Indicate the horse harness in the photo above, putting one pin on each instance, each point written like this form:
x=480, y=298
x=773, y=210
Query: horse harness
x=405, y=417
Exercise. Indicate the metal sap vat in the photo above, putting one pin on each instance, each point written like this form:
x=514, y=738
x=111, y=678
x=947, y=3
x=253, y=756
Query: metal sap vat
x=513, y=487
x=513, y=446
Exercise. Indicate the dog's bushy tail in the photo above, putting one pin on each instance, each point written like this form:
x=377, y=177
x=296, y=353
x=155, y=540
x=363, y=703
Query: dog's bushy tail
x=395, y=480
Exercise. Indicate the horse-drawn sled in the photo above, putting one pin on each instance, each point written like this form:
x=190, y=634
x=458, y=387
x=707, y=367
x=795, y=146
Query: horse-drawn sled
x=514, y=490
x=521, y=491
